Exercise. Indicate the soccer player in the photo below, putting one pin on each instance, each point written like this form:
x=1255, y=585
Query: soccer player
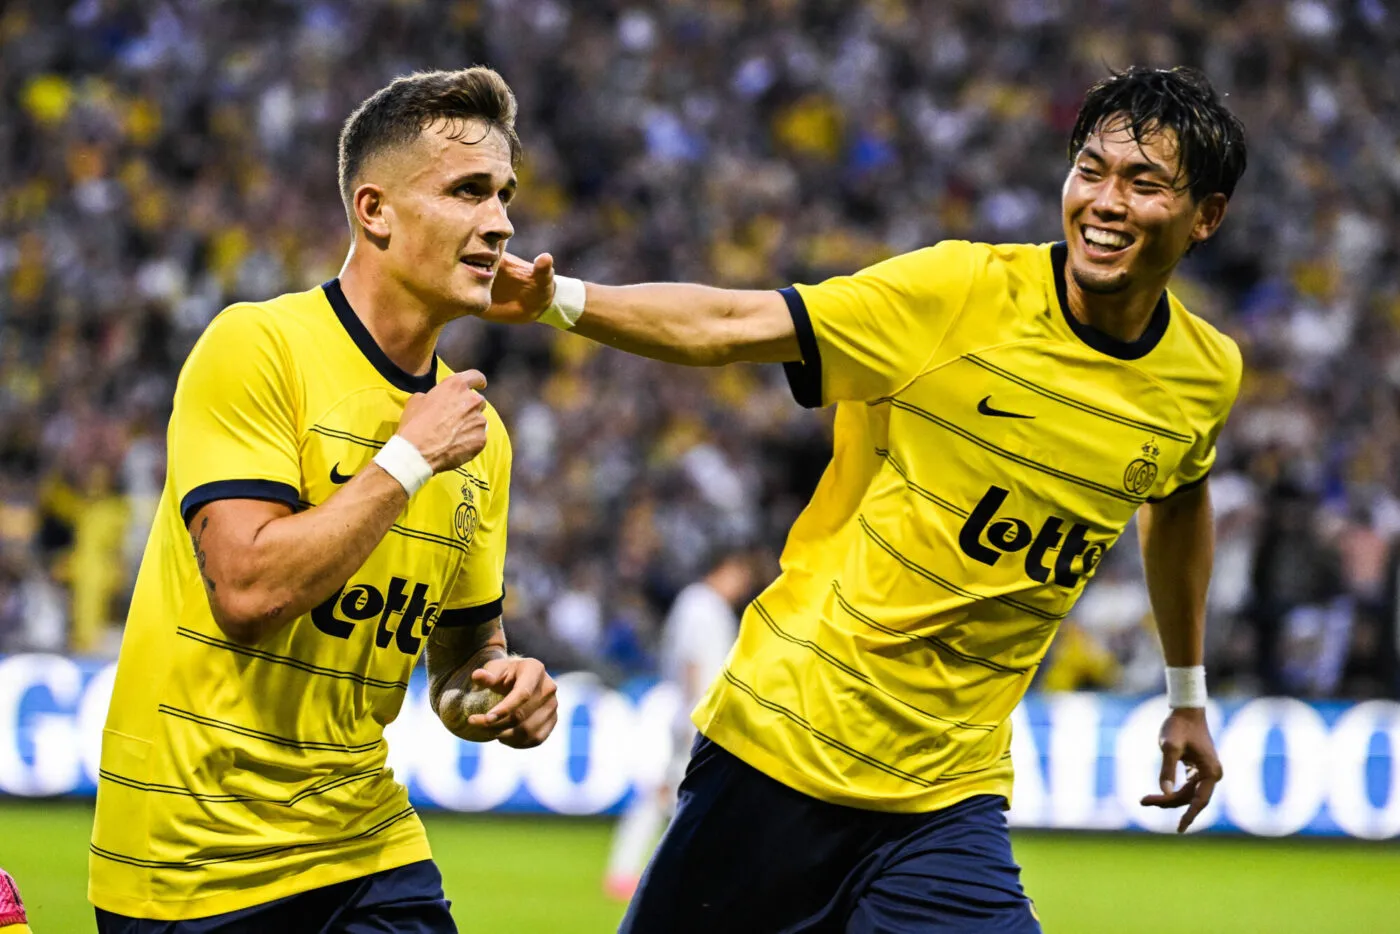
x=695, y=640
x=1002, y=412
x=335, y=503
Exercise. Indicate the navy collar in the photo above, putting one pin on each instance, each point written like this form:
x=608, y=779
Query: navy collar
x=1107, y=343
x=375, y=354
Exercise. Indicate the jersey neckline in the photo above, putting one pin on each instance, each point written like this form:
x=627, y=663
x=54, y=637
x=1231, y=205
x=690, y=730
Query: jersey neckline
x=399, y=377
x=1107, y=343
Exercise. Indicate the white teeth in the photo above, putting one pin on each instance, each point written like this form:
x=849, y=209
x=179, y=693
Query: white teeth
x=1111, y=239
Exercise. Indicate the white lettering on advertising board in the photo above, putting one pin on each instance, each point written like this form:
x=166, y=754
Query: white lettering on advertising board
x=1083, y=760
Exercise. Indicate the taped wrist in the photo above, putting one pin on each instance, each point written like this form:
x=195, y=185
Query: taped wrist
x=568, y=303
x=1186, y=687
x=405, y=463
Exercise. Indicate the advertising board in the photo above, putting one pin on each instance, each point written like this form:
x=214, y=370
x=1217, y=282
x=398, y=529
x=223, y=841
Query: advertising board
x=1082, y=760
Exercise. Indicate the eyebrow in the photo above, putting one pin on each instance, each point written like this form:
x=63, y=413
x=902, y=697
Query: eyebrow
x=486, y=178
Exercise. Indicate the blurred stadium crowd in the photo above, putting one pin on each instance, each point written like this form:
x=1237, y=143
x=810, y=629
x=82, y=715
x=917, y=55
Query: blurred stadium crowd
x=163, y=159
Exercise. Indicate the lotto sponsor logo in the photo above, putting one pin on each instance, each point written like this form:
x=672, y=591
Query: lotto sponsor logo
x=988, y=537
x=396, y=607
x=1082, y=760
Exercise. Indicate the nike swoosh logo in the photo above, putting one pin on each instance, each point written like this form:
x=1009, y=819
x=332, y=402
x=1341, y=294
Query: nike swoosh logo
x=985, y=408
x=338, y=477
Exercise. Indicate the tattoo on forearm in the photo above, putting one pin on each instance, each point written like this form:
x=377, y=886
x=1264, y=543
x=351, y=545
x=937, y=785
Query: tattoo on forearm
x=455, y=652
x=199, y=554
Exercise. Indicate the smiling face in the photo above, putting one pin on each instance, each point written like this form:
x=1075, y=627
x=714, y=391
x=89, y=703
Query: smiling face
x=1128, y=215
x=436, y=210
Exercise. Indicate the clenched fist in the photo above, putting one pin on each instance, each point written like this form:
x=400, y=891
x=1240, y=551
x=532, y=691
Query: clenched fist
x=447, y=424
x=511, y=700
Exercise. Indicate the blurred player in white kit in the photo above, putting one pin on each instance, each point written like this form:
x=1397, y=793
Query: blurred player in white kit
x=696, y=638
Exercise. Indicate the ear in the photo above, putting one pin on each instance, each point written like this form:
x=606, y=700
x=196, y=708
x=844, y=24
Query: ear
x=371, y=210
x=1210, y=213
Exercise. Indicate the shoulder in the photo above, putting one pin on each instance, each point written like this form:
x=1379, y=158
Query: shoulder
x=1200, y=366
x=1013, y=254
x=962, y=265
x=242, y=321
x=700, y=605
x=693, y=595
x=939, y=261
x=259, y=346
x=242, y=346
x=913, y=271
x=277, y=322
x=692, y=600
x=1204, y=353
x=940, y=275
x=1013, y=263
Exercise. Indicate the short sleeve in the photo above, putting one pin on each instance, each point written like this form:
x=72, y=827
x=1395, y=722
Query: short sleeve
x=865, y=336
x=1195, y=467
x=478, y=595
x=233, y=428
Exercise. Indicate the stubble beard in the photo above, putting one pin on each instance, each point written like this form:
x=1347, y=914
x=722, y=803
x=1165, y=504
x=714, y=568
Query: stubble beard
x=1110, y=284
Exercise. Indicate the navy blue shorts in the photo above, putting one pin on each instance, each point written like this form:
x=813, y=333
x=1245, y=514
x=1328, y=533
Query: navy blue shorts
x=746, y=854
x=406, y=900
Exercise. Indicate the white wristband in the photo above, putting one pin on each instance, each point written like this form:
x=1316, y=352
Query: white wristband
x=568, y=303
x=1186, y=687
x=405, y=463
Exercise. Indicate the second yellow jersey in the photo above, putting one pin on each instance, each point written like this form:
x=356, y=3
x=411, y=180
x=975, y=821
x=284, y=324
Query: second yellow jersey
x=989, y=448
x=235, y=774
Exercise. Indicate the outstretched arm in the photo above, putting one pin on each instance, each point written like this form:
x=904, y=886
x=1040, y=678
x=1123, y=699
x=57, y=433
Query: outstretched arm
x=694, y=325
x=1178, y=546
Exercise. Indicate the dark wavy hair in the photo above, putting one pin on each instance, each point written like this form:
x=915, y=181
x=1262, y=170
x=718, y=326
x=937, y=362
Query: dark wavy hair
x=395, y=115
x=1149, y=100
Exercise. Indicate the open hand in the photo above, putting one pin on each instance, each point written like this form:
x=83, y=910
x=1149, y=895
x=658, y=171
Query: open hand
x=527, y=714
x=1186, y=738
x=522, y=290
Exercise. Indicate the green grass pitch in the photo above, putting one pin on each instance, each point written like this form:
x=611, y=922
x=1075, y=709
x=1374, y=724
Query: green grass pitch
x=543, y=875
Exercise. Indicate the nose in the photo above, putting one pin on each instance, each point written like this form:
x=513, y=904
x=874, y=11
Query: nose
x=1109, y=198
x=495, y=225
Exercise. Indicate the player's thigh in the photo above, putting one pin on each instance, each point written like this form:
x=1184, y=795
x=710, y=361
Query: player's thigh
x=953, y=874
x=406, y=900
x=747, y=855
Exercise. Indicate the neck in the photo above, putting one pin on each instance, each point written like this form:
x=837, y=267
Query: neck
x=1123, y=315
x=400, y=323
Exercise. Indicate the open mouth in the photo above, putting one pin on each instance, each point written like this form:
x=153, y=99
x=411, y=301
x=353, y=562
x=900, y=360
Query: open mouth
x=486, y=268
x=1102, y=243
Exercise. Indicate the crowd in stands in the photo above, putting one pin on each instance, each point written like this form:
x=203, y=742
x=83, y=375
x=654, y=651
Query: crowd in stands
x=160, y=159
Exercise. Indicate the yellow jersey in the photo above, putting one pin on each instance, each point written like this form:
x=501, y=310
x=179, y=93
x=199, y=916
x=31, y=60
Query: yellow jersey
x=232, y=775
x=989, y=448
